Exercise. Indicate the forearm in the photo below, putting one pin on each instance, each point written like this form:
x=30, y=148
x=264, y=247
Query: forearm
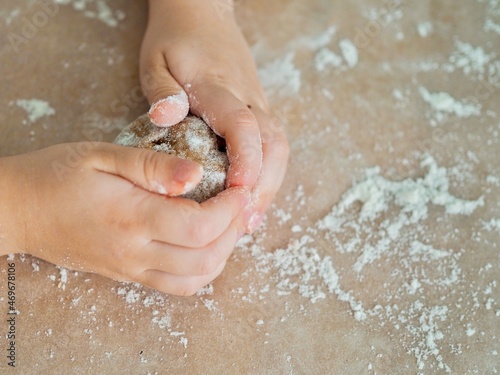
x=11, y=208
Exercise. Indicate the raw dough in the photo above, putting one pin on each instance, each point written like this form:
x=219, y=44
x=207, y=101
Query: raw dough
x=191, y=139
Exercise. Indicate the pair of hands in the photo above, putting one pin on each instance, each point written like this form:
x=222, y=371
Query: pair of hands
x=100, y=208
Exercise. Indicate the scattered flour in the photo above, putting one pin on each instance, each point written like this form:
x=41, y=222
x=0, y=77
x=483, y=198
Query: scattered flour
x=326, y=58
x=376, y=194
x=63, y=277
x=281, y=77
x=412, y=196
x=98, y=9
x=443, y=104
x=425, y=29
x=350, y=52
x=492, y=225
x=9, y=16
x=379, y=220
x=492, y=19
x=473, y=61
x=428, y=329
x=35, y=108
x=36, y=266
x=470, y=331
x=317, y=41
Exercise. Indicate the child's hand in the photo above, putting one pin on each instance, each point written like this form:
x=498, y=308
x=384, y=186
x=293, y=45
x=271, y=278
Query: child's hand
x=196, y=47
x=108, y=212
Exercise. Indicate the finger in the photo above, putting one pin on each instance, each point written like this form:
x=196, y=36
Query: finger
x=177, y=285
x=157, y=172
x=183, y=222
x=169, y=102
x=276, y=152
x=183, y=261
x=231, y=119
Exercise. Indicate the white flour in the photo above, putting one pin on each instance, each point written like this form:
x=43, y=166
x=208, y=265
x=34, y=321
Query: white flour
x=492, y=225
x=98, y=9
x=317, y=41
x=376, y=222
x=35, y=108
x=475, y=63
x=326, y=58
x=280, y=77
x=491, y=23
x=444, y=104
x=424, y=29
x=350, y=52
x=9, y=16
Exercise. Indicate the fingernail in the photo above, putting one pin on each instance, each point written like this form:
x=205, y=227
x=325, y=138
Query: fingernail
x=255, y=222
x=185, y=169
x=170, y=110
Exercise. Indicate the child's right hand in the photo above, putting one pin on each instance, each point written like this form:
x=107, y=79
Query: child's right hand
x=109, y=209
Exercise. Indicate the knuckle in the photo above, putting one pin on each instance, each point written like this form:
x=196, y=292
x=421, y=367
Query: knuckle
x=150, y=163
x=209, y=264
x=149, y=72
x=159, y=93
x=153, y=82
x=201, y=232
x=217, y=76
x=244, y=119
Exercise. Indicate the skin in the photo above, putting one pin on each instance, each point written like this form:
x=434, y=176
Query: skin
x=115, y=211
x=196, y=47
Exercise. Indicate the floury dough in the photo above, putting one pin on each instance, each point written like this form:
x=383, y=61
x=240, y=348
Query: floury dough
x=190, y=139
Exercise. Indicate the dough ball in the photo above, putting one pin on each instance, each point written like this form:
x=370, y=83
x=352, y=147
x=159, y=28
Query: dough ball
x=191, y=139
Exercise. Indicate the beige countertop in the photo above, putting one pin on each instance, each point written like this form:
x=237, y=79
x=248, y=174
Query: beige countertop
x=380, y=255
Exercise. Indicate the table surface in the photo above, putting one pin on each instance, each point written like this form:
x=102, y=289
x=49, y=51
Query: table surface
x=380, y=254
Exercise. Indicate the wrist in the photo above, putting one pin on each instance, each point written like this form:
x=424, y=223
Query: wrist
x=180, y=10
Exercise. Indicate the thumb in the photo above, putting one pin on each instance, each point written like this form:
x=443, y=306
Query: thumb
x=169, y=102
x=154, y=171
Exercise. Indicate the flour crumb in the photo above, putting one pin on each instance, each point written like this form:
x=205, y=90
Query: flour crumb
x=35, y=108
x=317, y=41
x=443, y=103
x=63, y=277
x=163, y=321
x=97, y=9
x=492, y=225
x=9, y=16
x=35, y=266
x=470, y=331
x=206, y=290
x=424, y=29
x=280, y=77
x=349, y=52
x=326, y=58
x=474, y=62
